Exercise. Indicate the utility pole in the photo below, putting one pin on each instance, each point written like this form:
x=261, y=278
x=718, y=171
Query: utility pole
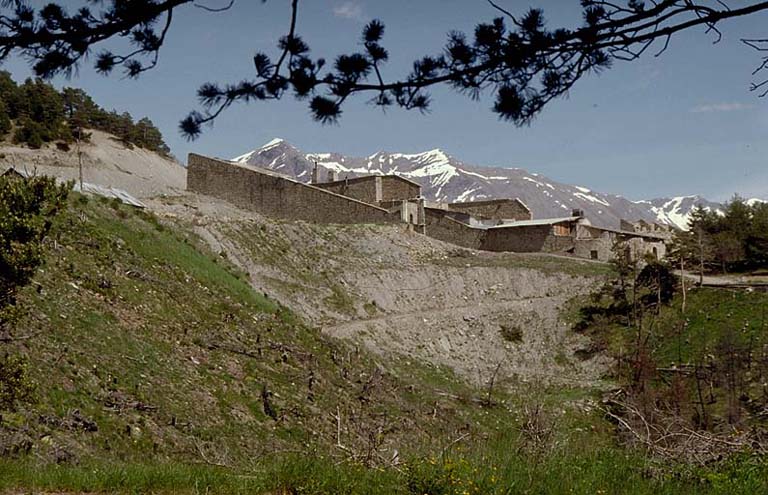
x=80, y=158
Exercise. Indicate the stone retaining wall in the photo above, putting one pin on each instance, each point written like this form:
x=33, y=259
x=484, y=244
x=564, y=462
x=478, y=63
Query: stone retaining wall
x=277, y=196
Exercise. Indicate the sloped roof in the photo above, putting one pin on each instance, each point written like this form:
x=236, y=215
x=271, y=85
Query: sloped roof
x=541, y=221
x=485, y=202
x=364, y=178
x=629, y=233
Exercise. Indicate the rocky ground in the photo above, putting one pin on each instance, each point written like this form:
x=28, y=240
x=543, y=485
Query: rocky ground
x=394, y=291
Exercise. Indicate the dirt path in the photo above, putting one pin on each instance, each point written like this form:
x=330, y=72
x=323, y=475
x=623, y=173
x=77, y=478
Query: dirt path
x=737, y=281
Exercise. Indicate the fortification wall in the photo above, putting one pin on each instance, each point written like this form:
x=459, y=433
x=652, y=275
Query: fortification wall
x=446, y=229
x=496, y=209
x=277, y=196
x=393, y=188
x=531, y=239
x=367, y=191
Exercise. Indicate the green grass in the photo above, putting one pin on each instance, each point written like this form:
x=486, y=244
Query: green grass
x=496, y=469
x=711, y=316
x=134, y=325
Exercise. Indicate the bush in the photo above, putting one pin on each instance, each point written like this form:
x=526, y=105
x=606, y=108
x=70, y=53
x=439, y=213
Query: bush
x=511, y=333
x=31, y=133
x=5, y=120
x=62, y=146
x=15, y=385
x=27, y=208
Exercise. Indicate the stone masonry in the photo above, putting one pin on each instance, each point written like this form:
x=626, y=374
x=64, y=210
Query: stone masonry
x=277, y=196
x=494, y=209
x=491, y=225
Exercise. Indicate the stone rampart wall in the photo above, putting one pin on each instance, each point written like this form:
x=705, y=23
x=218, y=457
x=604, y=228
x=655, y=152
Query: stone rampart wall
x=277, y=196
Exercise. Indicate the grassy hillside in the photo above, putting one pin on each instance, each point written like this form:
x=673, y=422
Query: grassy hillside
x=142, y=343
x=157, y=368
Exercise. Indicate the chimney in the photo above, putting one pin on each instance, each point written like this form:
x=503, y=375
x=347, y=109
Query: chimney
x=577, y=213
x=315, y=175
x=331, y=176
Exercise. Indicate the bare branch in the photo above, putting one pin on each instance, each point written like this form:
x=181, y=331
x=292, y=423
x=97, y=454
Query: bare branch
x=214, y=9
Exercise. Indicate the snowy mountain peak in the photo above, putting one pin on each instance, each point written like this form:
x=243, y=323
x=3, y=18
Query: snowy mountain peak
x=677, y=211
x=244, y=158
x=425, y=157
x=272, y=145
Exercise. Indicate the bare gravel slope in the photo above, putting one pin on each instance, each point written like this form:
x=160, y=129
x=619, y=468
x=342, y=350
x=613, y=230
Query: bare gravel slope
x=396, y=291
x=106, y=162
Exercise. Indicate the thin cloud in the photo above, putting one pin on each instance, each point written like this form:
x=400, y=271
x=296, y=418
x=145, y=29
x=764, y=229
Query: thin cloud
x=721, y=107
x=349, y=10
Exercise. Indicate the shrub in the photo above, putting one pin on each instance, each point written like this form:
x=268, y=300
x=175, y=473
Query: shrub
x=511, y=333
x=27, y=208
x=15, y=385
x=62, y=146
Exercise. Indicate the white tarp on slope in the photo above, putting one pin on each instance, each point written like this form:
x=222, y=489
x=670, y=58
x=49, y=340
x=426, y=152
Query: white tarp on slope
x=95, y=189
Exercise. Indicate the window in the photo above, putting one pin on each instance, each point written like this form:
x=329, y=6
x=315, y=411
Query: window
x=593, y=254
x=655, y=253
x=412, y=218
x=562, y=230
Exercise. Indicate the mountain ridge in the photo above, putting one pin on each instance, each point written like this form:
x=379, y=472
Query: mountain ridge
x=445, y=178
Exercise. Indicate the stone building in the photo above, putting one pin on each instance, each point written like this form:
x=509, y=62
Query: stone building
x=643, y=227
x=453, y=227
x=494, y=209
x=598, y=243
x=547, y=235
x=392, y=192
x=573, y=235
x=280, y=196
x=491, y=225
x=374, y=189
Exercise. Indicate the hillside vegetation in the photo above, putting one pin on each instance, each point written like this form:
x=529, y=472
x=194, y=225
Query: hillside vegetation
x=152, y=365
x=141, y=344
x=692, y=364
x=734, y=240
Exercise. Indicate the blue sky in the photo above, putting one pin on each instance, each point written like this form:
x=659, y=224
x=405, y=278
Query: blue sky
x=682, y=123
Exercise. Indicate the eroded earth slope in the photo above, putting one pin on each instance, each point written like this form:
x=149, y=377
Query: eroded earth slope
x=395, y=291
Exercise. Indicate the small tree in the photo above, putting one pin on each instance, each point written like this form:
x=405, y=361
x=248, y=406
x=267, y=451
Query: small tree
x=624, y=297
x=756, y=243
x=658, y=283
x=15, y=385
x=700, y=224
x=27, y=208
x=5, y=119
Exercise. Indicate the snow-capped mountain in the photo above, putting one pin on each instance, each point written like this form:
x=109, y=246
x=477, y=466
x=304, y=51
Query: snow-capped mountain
x=444, y=178
x=677, y=211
